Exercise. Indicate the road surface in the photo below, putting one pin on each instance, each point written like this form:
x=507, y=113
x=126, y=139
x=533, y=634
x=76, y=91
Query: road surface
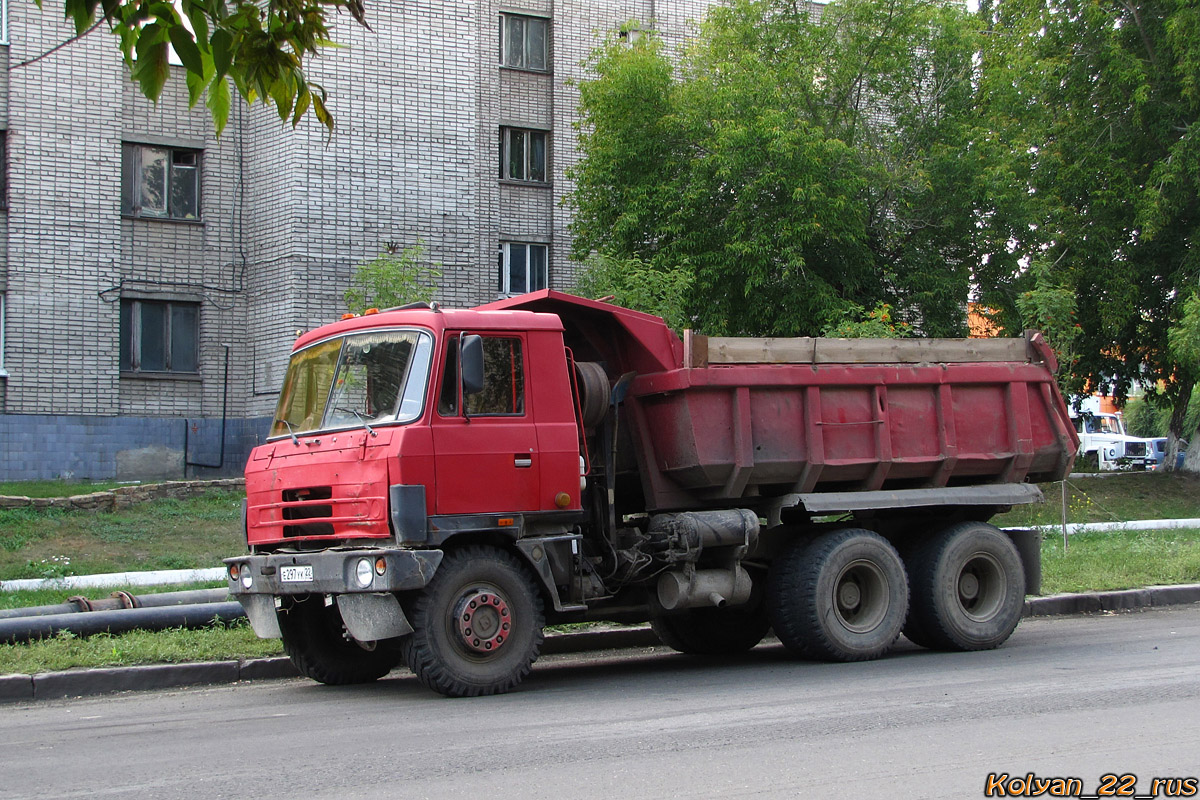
x=1066, y=697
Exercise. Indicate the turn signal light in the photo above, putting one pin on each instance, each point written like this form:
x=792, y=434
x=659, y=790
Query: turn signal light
x=380, y=566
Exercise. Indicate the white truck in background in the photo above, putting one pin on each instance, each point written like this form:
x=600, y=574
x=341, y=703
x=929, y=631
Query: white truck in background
x=1104, y=442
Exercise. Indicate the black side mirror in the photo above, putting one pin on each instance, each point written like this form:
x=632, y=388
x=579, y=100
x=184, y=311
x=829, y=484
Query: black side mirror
x=471, y=359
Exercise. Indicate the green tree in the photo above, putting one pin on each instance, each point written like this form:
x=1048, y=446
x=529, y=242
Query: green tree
x=632, y=283
x=395, y=277
x=1089, y=109
x=798, y=165
x=259, y=47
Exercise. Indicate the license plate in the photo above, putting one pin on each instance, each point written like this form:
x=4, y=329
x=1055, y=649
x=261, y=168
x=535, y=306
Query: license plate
x=295, y=574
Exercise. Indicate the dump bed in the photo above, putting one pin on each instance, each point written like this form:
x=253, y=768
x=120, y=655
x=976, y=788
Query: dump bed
x=717, y=419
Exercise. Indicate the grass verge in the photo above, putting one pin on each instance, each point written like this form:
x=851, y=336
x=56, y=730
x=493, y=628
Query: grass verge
x=67, y=651
x=169, y=533
x=54, y=488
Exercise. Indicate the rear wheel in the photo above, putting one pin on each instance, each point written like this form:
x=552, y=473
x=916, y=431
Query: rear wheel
x=319, y=647
x=714, y=631
x=968, y=589
x=842, y=597
x=477, y=625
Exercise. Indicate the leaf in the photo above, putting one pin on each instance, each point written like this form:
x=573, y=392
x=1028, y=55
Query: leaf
x=185, y=48
x=195, y=83
x=303, y=99
x=218, y=102
x=222, y=50
x=152, y=69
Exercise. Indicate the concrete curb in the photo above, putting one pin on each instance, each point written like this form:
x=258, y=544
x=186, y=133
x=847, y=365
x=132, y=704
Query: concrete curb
x=79, y=683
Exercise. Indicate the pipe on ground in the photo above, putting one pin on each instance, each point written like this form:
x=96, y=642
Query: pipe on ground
x=120, y=600
x=194, y=615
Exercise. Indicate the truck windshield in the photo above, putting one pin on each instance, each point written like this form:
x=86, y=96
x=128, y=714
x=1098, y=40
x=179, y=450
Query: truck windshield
x=355, y=381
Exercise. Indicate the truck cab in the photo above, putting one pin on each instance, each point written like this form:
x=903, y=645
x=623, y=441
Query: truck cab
x=1102, y=436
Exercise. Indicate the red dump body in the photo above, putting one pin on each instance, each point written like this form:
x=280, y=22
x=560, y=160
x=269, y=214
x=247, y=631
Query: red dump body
x=718, y=419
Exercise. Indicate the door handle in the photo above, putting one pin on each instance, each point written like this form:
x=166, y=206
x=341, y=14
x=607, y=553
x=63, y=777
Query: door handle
x=522, y=461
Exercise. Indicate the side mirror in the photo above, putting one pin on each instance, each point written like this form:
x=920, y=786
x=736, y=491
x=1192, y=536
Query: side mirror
x=471, y=358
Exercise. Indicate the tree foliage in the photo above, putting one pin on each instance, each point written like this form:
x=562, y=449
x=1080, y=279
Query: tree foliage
x=1090, y=109
x=797, y=165
x=395, y=277
x=632, y=283
x=259, y=47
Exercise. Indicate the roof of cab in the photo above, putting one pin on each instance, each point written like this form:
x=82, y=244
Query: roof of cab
x=435, y=319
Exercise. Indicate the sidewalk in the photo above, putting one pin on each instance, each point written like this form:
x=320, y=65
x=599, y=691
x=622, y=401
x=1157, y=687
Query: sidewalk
x=78, y=683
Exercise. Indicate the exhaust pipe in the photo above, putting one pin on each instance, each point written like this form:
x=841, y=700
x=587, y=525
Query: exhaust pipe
x=704, y=588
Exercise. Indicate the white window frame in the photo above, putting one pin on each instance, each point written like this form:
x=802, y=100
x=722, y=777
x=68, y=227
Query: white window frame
x=505, y=267
x=3, y=33
x=521, y=61
x=527, y=137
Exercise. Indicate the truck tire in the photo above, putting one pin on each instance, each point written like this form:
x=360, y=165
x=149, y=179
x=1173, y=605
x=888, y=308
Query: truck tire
x=713, y=631
x=316, y=643
x=968, y=589
x=841, y=597
x=477, y=625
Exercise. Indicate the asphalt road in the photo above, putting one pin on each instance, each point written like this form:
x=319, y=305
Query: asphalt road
x=1066, y=697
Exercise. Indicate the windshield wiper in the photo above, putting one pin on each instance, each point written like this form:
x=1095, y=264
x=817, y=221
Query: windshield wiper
x=291, y=432
x=362, y=417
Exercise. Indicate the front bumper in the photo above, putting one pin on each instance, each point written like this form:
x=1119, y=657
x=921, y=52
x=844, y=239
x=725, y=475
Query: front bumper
x=370, y=613
x=333, y=571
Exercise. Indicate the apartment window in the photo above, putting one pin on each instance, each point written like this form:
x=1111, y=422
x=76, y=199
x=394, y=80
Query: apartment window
x=160, y=336
x=160, y=182
x=522, y=155
x=523, y=41
x=522, y=267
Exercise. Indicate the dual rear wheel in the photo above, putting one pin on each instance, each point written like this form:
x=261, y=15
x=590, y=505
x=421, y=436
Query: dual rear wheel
x=847, y=595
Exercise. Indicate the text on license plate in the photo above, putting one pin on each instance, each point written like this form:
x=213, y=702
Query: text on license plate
x=295, y=574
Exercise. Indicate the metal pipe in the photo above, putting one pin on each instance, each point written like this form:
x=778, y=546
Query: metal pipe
x=196, y=615
x=120, y=600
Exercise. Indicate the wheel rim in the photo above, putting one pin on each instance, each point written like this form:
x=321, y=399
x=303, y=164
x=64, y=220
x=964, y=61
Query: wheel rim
x=483, y=621
x=979, y=587
x=860, y=596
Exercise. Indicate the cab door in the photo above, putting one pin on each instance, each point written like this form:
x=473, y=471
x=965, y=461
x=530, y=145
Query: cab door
x=485, y=454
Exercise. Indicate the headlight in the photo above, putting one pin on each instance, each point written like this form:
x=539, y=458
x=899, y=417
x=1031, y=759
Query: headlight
x=364, y=572
x=246, y=578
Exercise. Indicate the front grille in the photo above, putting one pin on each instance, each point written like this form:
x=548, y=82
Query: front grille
x=1135, y=448
x=308, y=511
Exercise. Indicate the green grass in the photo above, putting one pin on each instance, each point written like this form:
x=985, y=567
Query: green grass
x=1128, y=496
x=55, y=488
x=170, y=533
x=1120, y=560
x=66, y=651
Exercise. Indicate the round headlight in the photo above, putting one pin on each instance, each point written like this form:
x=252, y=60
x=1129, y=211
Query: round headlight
x=246, y=578
x=364, y=572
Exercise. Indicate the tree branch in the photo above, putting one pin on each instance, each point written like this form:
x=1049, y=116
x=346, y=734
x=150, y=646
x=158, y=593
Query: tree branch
x=58, y=46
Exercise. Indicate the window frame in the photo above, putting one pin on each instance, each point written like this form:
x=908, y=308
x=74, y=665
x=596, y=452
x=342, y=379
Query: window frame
x=505, y=16
x=130, y=363
x=132, y=180
x=507, y=133
x=3, y=167
x=504, y=264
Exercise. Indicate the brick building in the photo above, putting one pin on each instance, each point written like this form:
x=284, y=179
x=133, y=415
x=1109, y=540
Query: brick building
x=153, y=277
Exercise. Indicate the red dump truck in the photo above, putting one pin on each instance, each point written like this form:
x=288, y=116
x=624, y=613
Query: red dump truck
x=438, y=485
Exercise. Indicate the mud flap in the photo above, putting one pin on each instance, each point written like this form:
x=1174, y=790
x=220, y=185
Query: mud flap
x=260, y=610
x=372, y=617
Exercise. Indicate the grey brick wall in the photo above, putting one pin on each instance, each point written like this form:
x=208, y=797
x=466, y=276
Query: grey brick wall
x=287, y=213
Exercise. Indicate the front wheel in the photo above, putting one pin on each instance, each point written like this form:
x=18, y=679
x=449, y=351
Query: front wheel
x=968, y=589
x=477, y=625
x=319, y=647
x=842, y=597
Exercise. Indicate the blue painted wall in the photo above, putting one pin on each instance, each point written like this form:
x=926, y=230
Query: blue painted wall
x=44, y=446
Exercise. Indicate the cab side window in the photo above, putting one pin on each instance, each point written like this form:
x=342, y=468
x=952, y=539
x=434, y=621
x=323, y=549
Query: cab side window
x=503, y=379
